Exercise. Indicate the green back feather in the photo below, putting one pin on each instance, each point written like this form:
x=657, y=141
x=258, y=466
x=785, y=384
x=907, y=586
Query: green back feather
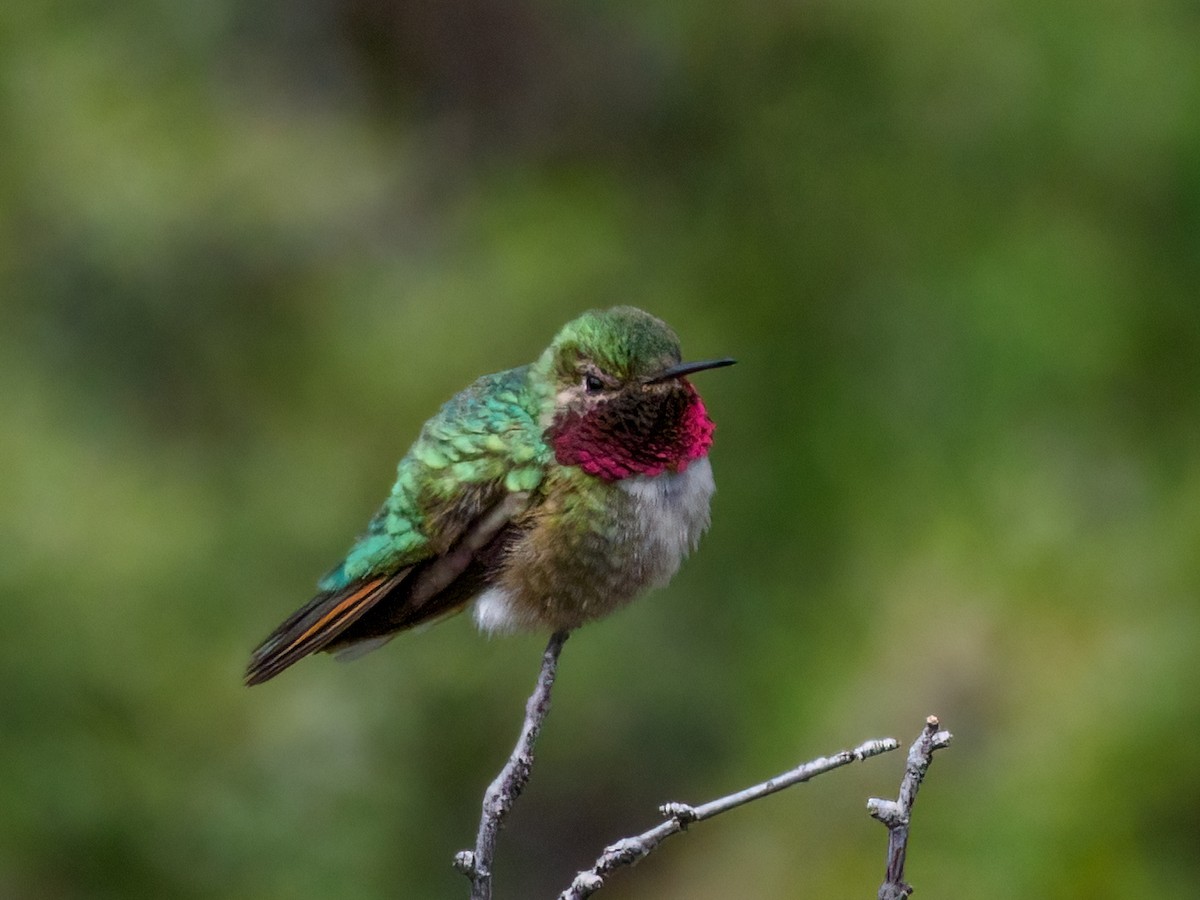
x=484, y=441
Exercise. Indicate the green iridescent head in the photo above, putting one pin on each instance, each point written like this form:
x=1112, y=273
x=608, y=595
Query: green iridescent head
x=613, y=345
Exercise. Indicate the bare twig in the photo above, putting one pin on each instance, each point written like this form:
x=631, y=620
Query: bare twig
x=628, y=851
x=503, y=792
x=895, y=814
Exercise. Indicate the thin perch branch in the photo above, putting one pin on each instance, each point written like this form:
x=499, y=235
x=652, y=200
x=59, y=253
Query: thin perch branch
x=628, y=851
x=896, y=814
x=503, y=792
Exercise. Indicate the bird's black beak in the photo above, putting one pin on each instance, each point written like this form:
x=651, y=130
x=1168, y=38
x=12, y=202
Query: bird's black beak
x=687, y=368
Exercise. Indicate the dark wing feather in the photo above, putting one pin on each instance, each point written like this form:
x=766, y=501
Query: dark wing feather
x=428, y=590
x=316, y=624
x=440, y=586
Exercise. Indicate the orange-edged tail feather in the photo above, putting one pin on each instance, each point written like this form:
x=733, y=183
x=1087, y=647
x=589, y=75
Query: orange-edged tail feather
x=316, y=624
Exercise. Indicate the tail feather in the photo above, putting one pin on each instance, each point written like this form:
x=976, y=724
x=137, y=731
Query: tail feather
x=317, y=624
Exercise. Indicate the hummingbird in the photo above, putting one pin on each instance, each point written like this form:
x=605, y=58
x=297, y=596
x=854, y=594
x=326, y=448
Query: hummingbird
x=547, y=495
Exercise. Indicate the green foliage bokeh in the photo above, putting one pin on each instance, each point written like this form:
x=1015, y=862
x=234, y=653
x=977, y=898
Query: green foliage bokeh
x=246, y=251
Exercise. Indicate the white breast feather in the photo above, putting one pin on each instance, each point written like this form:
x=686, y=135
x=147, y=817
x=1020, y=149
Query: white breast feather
x=673, y=512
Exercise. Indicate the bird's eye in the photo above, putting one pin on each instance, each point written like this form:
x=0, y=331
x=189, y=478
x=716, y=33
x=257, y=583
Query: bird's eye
x=592, y=384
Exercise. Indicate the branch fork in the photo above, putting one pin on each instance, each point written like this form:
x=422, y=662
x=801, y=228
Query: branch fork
x=897, y=814
x=504, y=790
x=630, y=850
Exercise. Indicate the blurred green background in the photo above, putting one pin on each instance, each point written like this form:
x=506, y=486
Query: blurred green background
x=245, y=250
